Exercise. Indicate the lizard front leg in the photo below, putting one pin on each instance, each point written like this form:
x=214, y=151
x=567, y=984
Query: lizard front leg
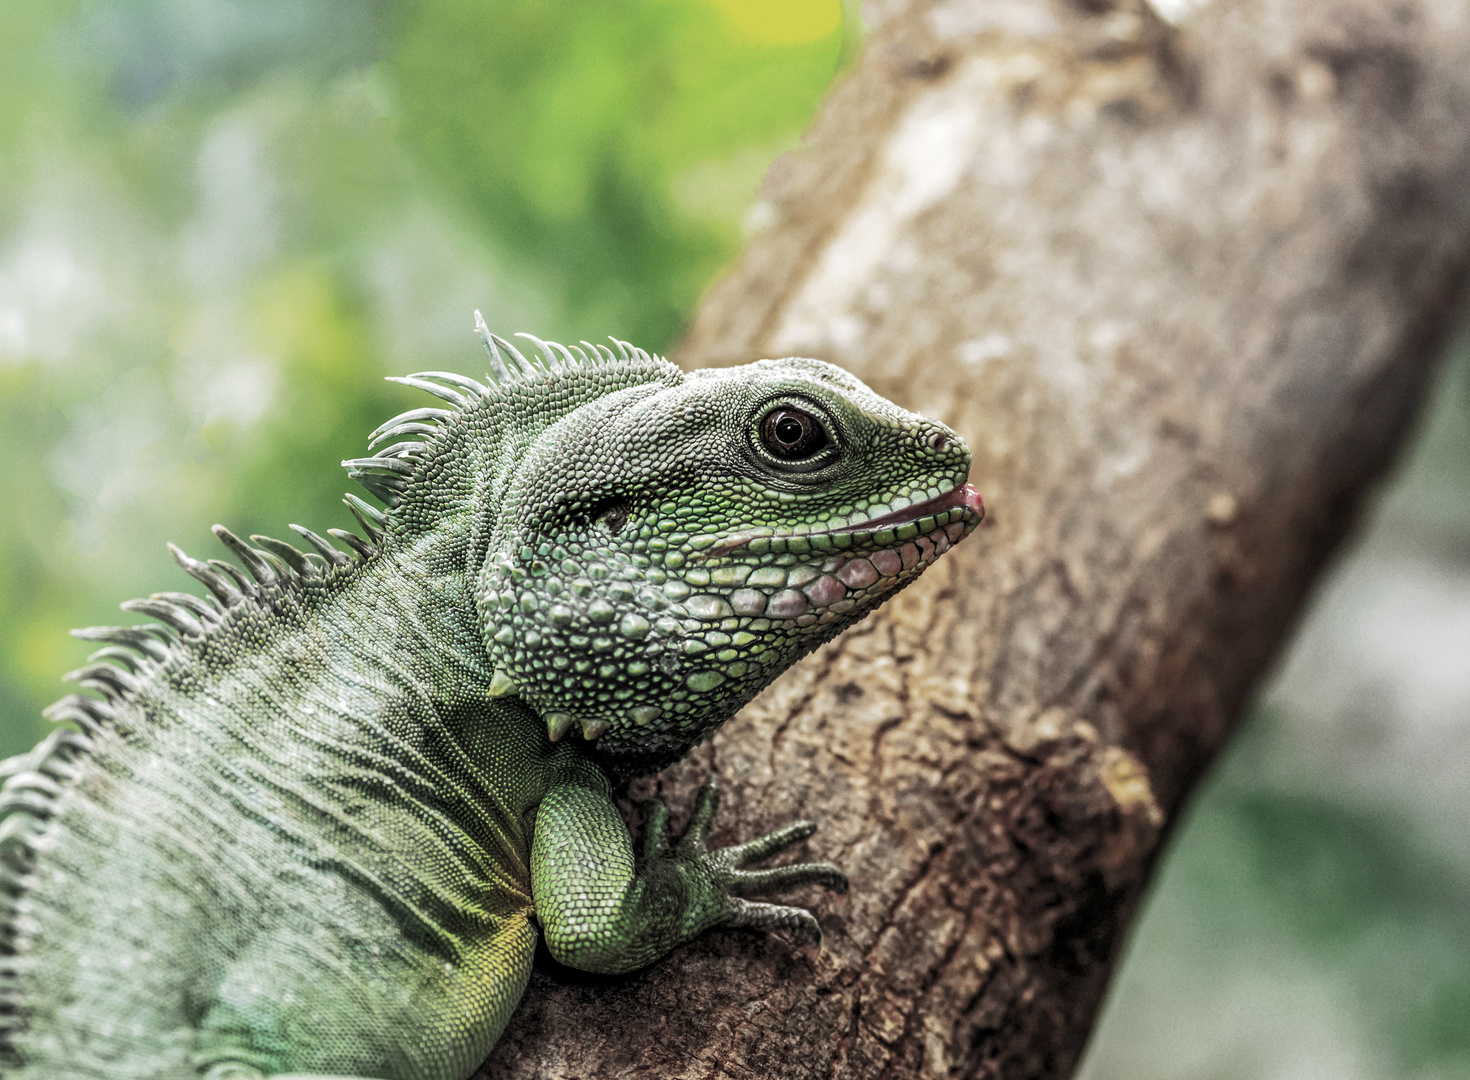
x=603, y=910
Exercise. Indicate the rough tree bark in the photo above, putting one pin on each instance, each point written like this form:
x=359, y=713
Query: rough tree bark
x=1179, y=286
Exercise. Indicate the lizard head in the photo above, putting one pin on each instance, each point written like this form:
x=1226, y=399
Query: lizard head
x=662, y=551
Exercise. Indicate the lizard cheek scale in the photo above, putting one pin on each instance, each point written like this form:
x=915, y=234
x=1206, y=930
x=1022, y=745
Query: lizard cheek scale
x=313, y=823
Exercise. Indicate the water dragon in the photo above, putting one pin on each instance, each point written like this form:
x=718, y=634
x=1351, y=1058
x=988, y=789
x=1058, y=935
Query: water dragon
x=312, y=823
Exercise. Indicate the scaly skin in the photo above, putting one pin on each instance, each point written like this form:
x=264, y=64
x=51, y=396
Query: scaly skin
x=313, y=825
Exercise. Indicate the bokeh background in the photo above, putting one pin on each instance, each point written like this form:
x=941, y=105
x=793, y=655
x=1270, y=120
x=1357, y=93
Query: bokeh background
x=222, y=222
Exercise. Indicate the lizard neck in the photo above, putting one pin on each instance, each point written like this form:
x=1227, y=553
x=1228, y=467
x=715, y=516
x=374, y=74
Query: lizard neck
x=447, y=496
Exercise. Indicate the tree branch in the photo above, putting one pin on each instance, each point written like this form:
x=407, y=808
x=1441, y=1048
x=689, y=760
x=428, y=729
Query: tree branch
x=1179, y=288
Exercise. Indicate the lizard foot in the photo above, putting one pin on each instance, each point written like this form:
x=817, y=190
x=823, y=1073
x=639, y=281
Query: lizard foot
x=724, y=869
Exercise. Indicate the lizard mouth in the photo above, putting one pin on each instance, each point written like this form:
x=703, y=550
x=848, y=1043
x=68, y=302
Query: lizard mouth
x=961, y=506
x=964, y=498
x=846, y=569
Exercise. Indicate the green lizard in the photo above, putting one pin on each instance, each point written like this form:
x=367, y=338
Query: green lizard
x=312, y=824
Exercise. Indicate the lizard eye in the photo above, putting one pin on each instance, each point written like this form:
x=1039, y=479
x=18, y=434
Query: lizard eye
x=614, y=518
x=791, y=434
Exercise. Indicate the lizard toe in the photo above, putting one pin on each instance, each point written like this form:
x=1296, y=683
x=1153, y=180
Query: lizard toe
x=763, y=847
x=706, y=806
x=786, y=877
x=797, y=923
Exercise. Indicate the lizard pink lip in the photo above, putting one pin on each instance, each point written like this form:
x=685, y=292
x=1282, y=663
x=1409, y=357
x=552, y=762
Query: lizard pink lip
x=966, y=496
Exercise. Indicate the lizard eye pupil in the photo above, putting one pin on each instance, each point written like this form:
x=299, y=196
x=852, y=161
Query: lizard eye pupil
x=792, y=435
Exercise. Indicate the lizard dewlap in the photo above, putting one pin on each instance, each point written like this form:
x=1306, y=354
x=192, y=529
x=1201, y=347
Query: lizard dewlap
x=313, y=823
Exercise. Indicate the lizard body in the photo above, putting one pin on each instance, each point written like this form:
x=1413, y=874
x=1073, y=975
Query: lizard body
x=313, y=824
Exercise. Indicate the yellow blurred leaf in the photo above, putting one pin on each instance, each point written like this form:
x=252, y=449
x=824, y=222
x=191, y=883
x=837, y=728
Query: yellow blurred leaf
x=782, y=22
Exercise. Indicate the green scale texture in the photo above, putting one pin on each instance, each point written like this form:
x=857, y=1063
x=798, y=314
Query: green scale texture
x=312, y=824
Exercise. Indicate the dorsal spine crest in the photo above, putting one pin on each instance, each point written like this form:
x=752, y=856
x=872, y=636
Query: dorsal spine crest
x=130, y=654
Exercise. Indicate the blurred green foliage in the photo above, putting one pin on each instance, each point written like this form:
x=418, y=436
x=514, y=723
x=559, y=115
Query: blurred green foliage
x=1295, y=929
x=222, y=222
x=595, y=133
